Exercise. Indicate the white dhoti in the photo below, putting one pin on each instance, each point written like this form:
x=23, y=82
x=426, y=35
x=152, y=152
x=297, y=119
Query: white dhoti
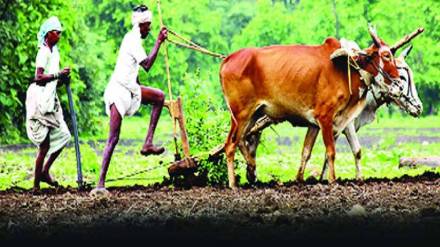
x=127, y=101
x=123, y=89
x=44, y=116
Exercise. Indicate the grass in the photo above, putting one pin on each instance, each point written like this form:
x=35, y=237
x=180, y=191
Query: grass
x=16, y=167
x=275, y=160
x=381, y=160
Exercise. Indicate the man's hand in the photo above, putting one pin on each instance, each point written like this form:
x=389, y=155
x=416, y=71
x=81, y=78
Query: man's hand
x=64, y=74
x=148, y=62
x=163, y=35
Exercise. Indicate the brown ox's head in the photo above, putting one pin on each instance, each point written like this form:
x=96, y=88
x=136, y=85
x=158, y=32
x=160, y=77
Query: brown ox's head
x=382, y=66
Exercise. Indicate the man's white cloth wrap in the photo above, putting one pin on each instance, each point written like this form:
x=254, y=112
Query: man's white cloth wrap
x=141, y=17
x=44, y=116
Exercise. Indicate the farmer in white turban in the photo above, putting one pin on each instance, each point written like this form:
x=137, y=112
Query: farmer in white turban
x=45, y=125
x=124, y=94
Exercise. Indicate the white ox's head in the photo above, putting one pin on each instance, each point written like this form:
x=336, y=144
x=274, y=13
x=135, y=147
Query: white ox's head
x=408, y=100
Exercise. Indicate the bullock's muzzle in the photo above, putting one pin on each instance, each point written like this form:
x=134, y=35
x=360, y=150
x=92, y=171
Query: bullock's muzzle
x=412, y=106
x=393, y=90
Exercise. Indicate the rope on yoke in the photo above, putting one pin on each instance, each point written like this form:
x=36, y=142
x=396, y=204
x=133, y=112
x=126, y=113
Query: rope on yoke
x=191, y=45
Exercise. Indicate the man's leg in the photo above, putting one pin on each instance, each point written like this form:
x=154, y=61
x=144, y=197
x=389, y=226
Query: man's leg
x=113, y=138
x=155, y=97
x=45, y=173
x=42, y=151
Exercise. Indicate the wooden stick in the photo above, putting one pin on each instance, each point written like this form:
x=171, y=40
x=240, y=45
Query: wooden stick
x=75, y=133
x=183, y=135
x=167, y=64
x=406, y=39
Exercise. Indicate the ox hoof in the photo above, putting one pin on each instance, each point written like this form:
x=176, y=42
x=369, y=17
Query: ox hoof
x=251, y=176
x=331, y=181
x=233, y=186
x=300, y=178
x=36, y=190
x=99, y=193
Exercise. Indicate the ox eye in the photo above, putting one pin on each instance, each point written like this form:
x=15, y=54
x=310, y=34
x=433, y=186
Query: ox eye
x=387, y=56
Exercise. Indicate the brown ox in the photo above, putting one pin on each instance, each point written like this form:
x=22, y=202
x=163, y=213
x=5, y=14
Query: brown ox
x=408, y=101
x=300, y=84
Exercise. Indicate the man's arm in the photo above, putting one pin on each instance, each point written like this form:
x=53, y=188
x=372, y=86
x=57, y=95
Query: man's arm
x=148, y=62
x=42, y=79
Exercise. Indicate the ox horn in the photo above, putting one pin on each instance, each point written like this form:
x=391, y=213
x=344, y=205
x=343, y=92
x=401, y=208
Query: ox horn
x=406, y=39
x=406, y=51
x=373, y=35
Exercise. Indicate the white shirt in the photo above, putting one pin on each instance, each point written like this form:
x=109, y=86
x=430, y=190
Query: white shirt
x=49, y=60
x=44, y=97
x=131, y=53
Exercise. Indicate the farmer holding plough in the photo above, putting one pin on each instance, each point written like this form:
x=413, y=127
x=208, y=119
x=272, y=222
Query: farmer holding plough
x=124, y=95
x=45, y=125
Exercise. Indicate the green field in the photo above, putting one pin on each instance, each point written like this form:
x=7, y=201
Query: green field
x=278, y=155
x=90, y=44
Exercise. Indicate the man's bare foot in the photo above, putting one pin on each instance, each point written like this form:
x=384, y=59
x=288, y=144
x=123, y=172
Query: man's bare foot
x=48, y=179
x=99, y=192
x=151, y=149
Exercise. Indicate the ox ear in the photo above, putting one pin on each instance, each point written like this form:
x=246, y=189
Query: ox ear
x=406, y=51
x=373, y=35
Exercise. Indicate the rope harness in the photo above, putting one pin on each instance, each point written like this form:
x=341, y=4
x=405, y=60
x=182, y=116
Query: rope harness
x=191, y=45
x=366, y=76
x=409, y=96
x=137, y=173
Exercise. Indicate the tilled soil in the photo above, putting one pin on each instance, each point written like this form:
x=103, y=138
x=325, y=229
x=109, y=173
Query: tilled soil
x=402, y=209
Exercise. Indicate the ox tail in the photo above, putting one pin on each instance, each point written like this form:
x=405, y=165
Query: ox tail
x=224, y=93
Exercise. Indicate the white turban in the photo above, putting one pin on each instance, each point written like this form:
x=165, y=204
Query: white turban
x=141, y=17
x=49, y=25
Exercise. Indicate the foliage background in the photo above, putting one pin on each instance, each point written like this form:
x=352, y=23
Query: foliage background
x=95, y=28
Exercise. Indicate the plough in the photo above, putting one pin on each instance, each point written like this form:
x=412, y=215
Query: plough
x=187, y=164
